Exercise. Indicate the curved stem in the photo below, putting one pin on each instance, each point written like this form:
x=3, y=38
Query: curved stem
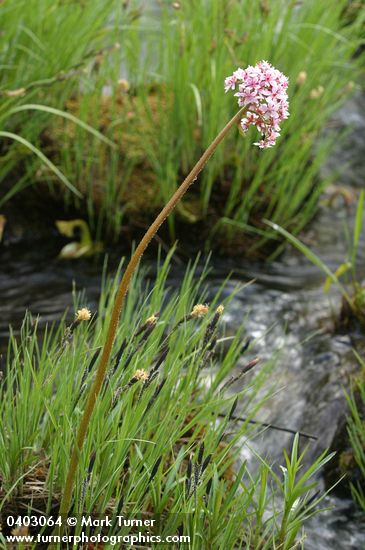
x=123, y=287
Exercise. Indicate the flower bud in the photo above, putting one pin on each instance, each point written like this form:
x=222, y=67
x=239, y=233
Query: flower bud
x=301, y=78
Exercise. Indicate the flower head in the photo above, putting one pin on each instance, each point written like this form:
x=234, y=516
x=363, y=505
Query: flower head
x=141, y=374
x=123, y=85
x=83, y=314
x=262, y=89
x=301, y=78
x=199, y=310
x=316, y=92
x=152, y=320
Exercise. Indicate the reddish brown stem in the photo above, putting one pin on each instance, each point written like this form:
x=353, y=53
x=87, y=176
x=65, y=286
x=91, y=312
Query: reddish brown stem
x=122, y=290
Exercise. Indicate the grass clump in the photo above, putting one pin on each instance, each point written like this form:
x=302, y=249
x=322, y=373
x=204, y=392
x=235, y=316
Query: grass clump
x=45, y=52
x=175, y=105
x=356, y=436
x=352, y=290
x=162, y=441
x=166, y=108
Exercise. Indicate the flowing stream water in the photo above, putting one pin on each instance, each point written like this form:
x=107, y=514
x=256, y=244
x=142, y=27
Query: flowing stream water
x=285, y=312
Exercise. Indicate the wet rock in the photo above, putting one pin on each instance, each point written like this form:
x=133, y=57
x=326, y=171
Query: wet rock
x=347, y=158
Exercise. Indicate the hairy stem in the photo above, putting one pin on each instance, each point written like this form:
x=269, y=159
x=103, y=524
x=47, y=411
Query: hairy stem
x=122, y=290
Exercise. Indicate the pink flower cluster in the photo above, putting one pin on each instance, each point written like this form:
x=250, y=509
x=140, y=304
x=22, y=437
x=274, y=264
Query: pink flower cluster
x=262, y=89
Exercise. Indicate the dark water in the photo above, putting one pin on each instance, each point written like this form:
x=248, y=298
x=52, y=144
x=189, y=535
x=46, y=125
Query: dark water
x=285, y=312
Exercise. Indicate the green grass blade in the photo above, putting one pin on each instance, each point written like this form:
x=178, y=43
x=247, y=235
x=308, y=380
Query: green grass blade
x=43, y=158
x=311, y=256
x=358, y=221
x=63, y=114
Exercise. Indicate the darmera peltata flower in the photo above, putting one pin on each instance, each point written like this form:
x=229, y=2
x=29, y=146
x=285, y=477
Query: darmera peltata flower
x=262, y=89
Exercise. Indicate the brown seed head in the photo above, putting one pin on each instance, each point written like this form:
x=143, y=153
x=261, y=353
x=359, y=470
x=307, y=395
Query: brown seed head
x=15, y=93
x=316, y=92
x=83, y=314
x=151, y=320
x=199, y=310
x=301, y=78
x=350, y=86
x=141, y=374
x=21, y=531
x=123, y=85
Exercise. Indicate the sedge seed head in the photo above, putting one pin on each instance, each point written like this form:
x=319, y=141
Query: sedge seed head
x=151, y=320
x=199, y=310
x=16, y=93
x=83, y=314
x=262, y=89
x=316, y=93
x=123, y=85
x=141, y=374
x=301, y=78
